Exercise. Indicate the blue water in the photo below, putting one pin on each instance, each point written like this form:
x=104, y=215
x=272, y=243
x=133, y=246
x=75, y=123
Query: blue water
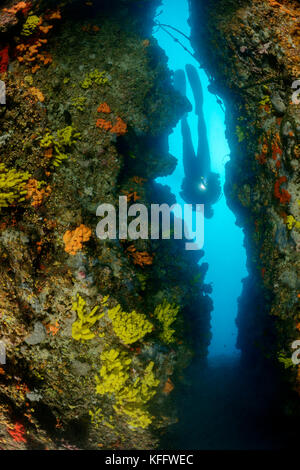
x=223, y=243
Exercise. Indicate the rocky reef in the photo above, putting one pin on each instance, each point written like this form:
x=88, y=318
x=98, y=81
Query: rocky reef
x=250, y=50
x=97, y=332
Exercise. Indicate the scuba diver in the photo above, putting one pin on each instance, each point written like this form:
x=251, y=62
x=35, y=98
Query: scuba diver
x=200, y=185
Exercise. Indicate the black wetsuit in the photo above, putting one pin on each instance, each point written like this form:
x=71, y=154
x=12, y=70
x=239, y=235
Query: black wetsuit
x=200, y=185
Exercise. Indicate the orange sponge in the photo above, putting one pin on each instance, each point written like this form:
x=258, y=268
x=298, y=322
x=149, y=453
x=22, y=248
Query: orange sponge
x=74, y=239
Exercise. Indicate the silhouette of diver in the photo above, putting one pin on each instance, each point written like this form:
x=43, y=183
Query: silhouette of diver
x=200, y=185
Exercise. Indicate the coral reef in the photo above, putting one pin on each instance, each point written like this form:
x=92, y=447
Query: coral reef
x=130, y=396
x=12, y=185
x=81, y=327
x=100, y=78
x=104, y=108
x=30, y=25
x=57, y=145
x=251, y=52
x=36, y=192
x=129, y=326
x=166, y=314
x=74, y=239
x=4, y=59
x=60, y=285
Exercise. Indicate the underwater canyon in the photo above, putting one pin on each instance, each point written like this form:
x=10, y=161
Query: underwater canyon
x=139, y=343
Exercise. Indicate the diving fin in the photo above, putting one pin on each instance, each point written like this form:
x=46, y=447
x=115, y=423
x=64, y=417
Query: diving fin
x=196, y=86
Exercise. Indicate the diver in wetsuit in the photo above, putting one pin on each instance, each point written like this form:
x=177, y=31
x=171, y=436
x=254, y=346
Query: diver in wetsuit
x=200, y=185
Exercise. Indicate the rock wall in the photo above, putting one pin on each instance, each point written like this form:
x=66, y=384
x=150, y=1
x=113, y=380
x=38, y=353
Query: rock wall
x=250, y=50
x=96, y=332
